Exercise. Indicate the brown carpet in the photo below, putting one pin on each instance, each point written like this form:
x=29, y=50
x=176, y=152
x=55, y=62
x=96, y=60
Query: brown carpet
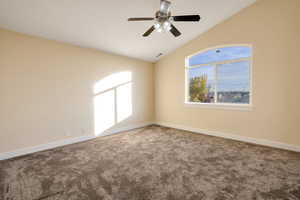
x=153, y=163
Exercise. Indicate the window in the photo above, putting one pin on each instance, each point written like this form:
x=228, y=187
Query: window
x=219, y=76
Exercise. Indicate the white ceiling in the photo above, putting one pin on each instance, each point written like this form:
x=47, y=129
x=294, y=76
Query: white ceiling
x=102, y=24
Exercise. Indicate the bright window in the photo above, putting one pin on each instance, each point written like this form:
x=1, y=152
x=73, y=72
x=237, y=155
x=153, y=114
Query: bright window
x=219, y=76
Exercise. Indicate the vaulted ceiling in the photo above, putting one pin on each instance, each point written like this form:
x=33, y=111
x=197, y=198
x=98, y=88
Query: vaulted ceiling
x=103, y=25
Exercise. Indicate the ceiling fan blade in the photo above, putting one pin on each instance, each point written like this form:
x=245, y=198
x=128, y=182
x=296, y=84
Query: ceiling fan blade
x=175, y=31
x=149, y=31
x=140, y=19
x=165, y=6
x=187, y=18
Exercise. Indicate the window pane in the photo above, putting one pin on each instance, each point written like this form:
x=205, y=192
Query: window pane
x=201, y=84
x=221, y=54
x=233, y=82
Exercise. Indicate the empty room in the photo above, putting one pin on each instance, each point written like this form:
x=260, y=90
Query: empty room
x=149, y=100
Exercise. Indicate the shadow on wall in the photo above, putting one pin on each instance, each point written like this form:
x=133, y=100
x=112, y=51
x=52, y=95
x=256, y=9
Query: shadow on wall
x=112, y=101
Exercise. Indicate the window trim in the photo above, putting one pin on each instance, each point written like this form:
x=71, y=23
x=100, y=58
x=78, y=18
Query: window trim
x=230, y=106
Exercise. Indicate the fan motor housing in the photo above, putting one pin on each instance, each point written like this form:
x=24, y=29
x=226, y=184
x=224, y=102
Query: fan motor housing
x=162, y=17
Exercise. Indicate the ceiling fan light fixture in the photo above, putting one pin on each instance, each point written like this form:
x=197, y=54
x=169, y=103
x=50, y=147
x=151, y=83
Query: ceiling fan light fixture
x=167, y=26
x=157, y=25
x=162, y=26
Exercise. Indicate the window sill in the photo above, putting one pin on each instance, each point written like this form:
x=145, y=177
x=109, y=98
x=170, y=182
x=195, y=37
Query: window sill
x=238, y=107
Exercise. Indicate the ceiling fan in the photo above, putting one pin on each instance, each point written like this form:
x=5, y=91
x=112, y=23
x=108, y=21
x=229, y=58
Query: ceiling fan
x=163, y=20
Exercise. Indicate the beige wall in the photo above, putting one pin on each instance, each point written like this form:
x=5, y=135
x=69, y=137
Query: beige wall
x=47, y=90
x=273, y=28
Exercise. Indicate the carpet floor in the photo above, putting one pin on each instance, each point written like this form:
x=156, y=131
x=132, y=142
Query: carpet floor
x=153, y=163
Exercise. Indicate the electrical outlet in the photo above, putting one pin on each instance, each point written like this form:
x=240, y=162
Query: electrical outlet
x=82, y=131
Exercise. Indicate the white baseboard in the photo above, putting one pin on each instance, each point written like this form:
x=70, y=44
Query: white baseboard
x=51, y=145
x=263, y=142
x=127, y=128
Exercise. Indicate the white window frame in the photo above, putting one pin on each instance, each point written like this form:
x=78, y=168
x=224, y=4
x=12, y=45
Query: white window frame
x=230, y=106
